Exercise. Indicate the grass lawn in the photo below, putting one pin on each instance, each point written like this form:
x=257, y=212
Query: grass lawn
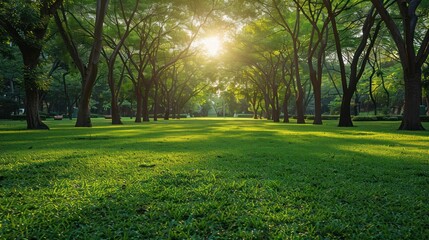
x=213, y=179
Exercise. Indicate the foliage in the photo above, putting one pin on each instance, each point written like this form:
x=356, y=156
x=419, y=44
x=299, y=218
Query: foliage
x=324, y=117
x=7, y=107
x=210, y=178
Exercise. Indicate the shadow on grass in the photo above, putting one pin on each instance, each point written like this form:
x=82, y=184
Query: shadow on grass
x=209, y=180
x=35, y=172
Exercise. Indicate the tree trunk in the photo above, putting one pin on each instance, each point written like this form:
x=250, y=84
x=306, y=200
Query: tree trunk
x=345, y=117
x=155, y=101
x=167, y=114
x=167, y=106
x=69, y=106
x=31, y=57
x=254, y=104
x=300, y=107
x=84, y=114
x=139, y=99
x=276, y=115
x=116, y=117
x=371, y=95
x=145, y=104
x=88, y=73
x=299, y=101
x=267, y=108
x=275, y=104
x=32, y=108
x=356, y=107
x=413, y=97
x=285, y=105
x=427, y=104
x=317, y=104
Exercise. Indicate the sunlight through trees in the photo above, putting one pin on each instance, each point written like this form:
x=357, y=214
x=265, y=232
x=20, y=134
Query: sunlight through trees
x=266, y=58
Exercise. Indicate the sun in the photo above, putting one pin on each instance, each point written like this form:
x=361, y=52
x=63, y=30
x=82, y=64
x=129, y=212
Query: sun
x=212, y=46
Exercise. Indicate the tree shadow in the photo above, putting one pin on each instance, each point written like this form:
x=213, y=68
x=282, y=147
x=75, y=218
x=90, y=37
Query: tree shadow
x=231, y=182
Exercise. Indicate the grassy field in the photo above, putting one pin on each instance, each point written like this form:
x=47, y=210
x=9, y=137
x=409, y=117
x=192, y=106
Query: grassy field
x=213, y=179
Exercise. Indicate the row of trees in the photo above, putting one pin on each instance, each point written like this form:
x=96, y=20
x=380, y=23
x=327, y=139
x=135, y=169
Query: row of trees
x=143, y=39
x=277, y=51
x=349, y=40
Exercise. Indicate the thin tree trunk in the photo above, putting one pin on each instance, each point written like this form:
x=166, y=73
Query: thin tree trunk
x=116, y=117
x=275, y=105
x=68, y=104
x=371, y=93
x=155, y=101
x=317, y=104
x=145, y=104
x=285, y=104
x=139, y=100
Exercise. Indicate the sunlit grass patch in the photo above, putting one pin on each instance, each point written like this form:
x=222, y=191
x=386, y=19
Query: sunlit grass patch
x=213, y=178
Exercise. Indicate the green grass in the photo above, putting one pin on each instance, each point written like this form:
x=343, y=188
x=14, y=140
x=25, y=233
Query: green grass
x=213, y=179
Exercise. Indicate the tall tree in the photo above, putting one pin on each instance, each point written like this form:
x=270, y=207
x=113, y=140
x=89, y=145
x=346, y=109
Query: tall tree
x=162, y=39
x=122, y=27
x=289, y=18
x=412, y=59
x=314, y=13
x=360, y=52
x=26, y=22
x=88, y=71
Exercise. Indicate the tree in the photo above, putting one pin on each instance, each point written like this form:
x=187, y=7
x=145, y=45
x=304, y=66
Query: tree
x=183, y=81
x=360, y=51
x=317, y=43
x=88, y=71
x=163, y=38
x=288, y=17
x=412, y=59
x=116, y=43
x=26, y=22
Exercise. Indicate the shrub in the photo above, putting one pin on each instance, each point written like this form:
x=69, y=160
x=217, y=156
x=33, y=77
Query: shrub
x=324, y=117
x=424, y=118
x=392, y=118
x=377, y=118
x=365, y=118
x=18, y=117
x=7, y=107
x=93, y=115
x=43, y=115
x=244, y=115
x=23, y=117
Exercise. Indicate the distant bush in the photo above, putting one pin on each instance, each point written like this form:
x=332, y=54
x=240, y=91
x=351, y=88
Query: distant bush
x=244, y=115
x=159, y=115
x=43, y=115
x=424, y=118
x=23, y=117
x=365, y=118
x=93, y=115
x=324, y=117
x=392, y=118
x=18, y=117
x=377, y=118
x=7, y=107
